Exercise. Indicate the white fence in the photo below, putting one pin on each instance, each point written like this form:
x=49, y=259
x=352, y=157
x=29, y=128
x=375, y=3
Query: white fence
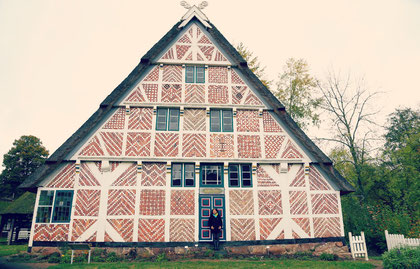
x=398, y=240
x=358, y=246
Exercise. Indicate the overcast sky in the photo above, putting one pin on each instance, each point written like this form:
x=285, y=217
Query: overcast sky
x=60, y=59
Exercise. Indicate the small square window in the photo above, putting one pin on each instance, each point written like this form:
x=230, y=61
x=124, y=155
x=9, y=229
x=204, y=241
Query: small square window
x=240, y=175
x=194, y=74
x=183, y=174
x=167, y=119
x=221, y=120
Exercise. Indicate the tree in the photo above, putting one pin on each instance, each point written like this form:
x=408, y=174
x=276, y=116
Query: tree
x=26, y=155
x=347, y=101
x=401, y=125
x=296, y=89
x=253, y=63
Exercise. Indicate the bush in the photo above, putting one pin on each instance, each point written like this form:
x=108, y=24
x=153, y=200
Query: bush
x=328, y=257
x=54, y=258
x=112, y=257
x=98, y=255
x=161, y=257
x=402, y=258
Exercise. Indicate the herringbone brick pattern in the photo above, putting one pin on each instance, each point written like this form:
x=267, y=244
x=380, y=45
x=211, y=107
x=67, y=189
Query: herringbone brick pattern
x=194, y=119
x=218, y=94
x=304, y=225
x=247, y=121
x=249, y=146
x=153, y=75
x=267, y=225
x=138, y=144
x=152, y=202
x=221, y=146
x=194, y=145
x=136, y=96
x=219, y=57
x=324, y=203
x=113, y=142
x=128, y=177
x=80, y=226
x=273, y=145
x=117, y=120
x=299, y=180
x=93, y=148
x=218, y=74
x=316, y=181
x=298, y=202
x=51, y=232
x=171, y=93
x=269, y=202
x=327, y=227
x=270, y=124
x=154, y=174
x=181, y=230
x=242, y=229
x=151, y=230
x=124, y=227
x=87, y=202
x=65, y=178
x=166, y=145
x=87, y=178
x=235, y=78
x=172, y=73
x=291, y=151
x=263, y=178
x=207, y=51
x=107, y=238
x=169, y=54
x=238, y=94
x=182, y=202
x=121, y=202
x=252, y=99
x=194, y=94
x=241, y=202
x=140, y=118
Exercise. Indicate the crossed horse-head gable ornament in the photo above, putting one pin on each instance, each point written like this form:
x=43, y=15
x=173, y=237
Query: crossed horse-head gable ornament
x=202, y=5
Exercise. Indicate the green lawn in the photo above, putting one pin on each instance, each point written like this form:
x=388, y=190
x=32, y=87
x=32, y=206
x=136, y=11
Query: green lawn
x=6, y=250
x=226, y=264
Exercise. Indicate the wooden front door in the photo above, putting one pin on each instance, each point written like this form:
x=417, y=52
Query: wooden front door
x=207, y=203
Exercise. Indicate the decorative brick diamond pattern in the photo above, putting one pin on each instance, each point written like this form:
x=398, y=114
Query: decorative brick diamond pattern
x=151, y=91
x=153, y=75
x=242, y=229
x=218, y=75
x=154, y=174
x=298, y=202
x=236, y=79
x=87, y=203
x=181, y=230
x=241, y=202
x=327, y=227
x=299, y=180
x=152, y=202
x=291, y=151
x=194, y=145
x=124, y=227
x=264, y=179
x=64, y=178
x=51, y=232
x=270, y=124
x=218, y=94
x=182, y=202
x=221, y=146
x=273, y=145
x=194, y=94
x=80, y=226
x=316, y=181
x=252, y=99
x=117, y=121
x=151, y=230
x=128, y=177
x=113, y=142
x=238, y=93
x=121, y=202
x=195, y=119
x=269, y=202
x=249, y=146
x=93, y=148
x=207, y=51
x=324, y=203
x=136, y=96
x=171, y=93
x=138, y=144
x=172, y=73
x=140, y=118
x=87, y=178
x=181, y=50
x=166, y=145
x=267, y=225
x=247, y=121
x=304, y=225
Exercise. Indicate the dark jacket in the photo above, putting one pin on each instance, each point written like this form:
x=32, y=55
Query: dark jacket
x=215, y=222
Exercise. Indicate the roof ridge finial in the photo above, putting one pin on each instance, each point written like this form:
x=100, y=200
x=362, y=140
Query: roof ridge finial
x=202, y=5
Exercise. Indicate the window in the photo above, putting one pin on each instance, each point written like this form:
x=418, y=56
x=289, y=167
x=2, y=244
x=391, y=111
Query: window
x=183, y=175
x=194, y=74
x=211, y=174
x=240, y=175
x=221, y=120
x=55, y=203
x=167, y=119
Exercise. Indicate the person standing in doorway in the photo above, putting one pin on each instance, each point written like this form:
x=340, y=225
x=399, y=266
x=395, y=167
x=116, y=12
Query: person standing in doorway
x=216, y=224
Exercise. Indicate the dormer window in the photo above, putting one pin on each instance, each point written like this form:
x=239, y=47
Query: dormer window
x=194, y=74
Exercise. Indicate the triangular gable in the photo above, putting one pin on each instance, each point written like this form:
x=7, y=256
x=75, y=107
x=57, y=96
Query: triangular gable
x=194, y=46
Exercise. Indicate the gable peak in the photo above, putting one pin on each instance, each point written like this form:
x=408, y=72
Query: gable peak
x=194, y=11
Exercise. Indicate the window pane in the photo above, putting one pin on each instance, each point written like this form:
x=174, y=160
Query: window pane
x=212, y=175
x=161, y=119
x=189, y=174
x=43, y=215
x=246, y=175
x=215, y=120
x=227, y=121
x=173, y=119
x=176, y=174
x=46, y=198
x=200, y=74
x=62, y=206
x=234, y=175
x=189, y=74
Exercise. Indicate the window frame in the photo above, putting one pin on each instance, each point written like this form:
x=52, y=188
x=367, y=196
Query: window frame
x=167, y=118
x=221, y=127
x=221, y=165
x=240, y=175
x=183, y=177
x=195, y=69
x=54, y=207
x=45, y=206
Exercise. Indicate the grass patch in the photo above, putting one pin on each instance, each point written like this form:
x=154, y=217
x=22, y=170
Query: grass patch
x=6, y=250
x=211, y=264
